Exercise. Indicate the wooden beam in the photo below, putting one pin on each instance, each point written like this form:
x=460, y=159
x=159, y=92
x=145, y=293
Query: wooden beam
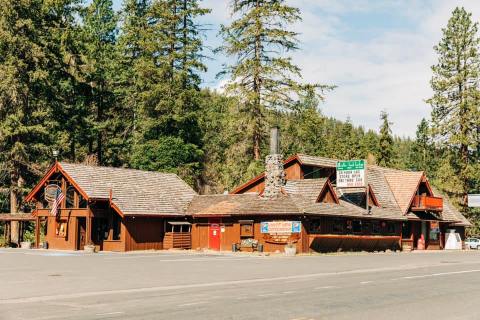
x=37, y=233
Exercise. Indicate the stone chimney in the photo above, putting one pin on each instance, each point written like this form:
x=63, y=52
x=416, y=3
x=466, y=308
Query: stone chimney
x=274, y=173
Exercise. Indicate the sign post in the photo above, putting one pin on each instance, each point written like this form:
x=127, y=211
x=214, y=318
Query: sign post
x=351, y=174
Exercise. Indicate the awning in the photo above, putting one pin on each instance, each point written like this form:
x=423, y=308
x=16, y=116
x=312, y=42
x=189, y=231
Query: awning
x=179, y=223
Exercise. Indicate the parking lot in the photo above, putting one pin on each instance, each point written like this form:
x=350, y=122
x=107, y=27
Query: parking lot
x=39, y=284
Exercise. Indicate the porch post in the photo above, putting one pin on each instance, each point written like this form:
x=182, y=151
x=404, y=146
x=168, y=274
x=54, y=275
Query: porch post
x=37, y=232
x=88, y=236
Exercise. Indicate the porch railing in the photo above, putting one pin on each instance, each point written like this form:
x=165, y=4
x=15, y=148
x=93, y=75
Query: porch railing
x=427, y=203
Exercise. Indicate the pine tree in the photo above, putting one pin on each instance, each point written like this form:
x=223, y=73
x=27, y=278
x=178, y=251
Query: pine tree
x=422, y=153
x=455, y=82
x=166, y=65
x=99, y=36
x=262, y=76
x=385, y=148
x=29, y=65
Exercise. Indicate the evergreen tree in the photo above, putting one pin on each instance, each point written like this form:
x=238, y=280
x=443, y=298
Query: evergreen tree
x=385, y=148
x=455, y=82
x=99, y=36
x=370, y=144
x=422, y=153
x=166, y=64
x=29, y=59
x=261, y=76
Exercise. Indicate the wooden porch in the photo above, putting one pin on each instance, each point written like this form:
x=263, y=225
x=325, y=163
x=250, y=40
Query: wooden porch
x=427, y=203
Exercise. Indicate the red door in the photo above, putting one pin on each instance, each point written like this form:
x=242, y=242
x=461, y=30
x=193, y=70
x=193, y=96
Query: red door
x=214, y=236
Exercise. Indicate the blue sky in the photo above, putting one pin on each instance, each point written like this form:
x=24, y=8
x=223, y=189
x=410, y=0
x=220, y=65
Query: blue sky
x=378, y=53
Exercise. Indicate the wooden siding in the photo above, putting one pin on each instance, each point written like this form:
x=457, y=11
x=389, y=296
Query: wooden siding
x=113, y=245
x=427, y=203
x=143, y=233
x=177, y=240
x=231, y=234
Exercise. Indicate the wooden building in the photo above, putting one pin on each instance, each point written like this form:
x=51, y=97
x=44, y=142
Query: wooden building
x=327, y=222
x=394, y=195
x=114, y=209
x=119, y=209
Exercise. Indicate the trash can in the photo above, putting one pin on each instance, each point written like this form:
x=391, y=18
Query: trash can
x=234, y=247
x=260, y=247
x=45, y=245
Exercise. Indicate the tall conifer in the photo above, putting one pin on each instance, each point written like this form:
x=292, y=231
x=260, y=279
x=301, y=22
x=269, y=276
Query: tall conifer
x=385, y=148
x=262, y=76
x=455, y=82
x=30, y=58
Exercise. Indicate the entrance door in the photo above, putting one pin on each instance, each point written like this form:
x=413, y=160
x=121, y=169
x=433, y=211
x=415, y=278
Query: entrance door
x=81, y=232
x=214, y=236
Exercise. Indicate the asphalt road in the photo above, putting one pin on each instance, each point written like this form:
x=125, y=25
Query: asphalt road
x=162, y=285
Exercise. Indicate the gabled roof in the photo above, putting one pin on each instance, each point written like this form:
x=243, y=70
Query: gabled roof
x=404, y=185
x=317, y=161
x=134, y=192
x=242, y=204
x=310, y=189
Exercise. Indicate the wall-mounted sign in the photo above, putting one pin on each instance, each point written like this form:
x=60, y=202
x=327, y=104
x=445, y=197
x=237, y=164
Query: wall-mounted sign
x=51, y=192
x=351, y=174
x=474, y=200
x=281, y=227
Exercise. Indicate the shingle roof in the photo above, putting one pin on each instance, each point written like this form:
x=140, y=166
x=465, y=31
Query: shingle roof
x=308, y=188
x=403, y=184
x=242, y=204
x=317, y=161
x=299, y=198
x=450, y=213
x=393, y=188
x=134, y=192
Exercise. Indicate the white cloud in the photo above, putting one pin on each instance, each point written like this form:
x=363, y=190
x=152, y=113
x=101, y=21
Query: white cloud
x=374, y=68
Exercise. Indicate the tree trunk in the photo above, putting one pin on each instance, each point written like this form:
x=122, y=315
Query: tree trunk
x=14, y=225
x=17, y=181
x=257, y=90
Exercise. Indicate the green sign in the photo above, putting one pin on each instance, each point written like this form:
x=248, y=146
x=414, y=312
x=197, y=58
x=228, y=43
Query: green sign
x=351, y=165
x=351, y=174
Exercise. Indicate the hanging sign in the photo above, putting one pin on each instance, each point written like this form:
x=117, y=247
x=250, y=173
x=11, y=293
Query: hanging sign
x=281, y=227
x=474, y=200
x=351, y=174
x=51, y=192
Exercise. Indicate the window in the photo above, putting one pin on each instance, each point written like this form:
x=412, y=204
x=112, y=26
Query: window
x=246, y=228
x=117, y=227
x=338, y=226
x=70, y=197
x=82, y=202
x=311, y=173
x=315, y=226
x=390, y=227
x=366, y=227
x=357, y=226
x=375, y=227
x=61, y=230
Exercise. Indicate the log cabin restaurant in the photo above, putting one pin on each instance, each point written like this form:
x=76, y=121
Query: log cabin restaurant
x=114, y=209
x=295, y=202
